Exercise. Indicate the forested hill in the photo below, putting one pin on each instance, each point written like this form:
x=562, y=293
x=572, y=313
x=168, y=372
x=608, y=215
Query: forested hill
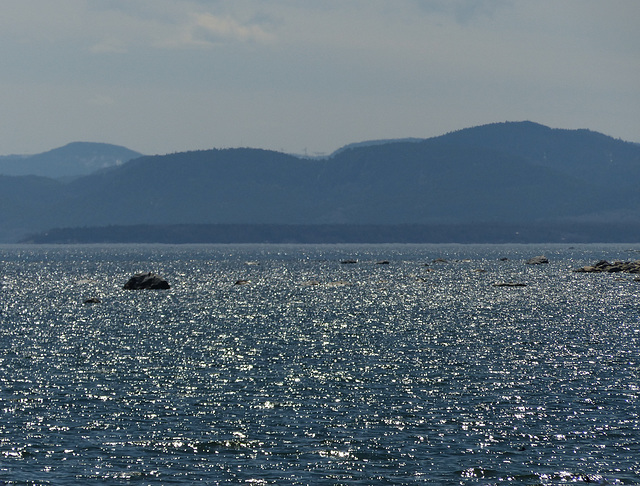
x=506, y=173
x=72, y=160
x=581, y=153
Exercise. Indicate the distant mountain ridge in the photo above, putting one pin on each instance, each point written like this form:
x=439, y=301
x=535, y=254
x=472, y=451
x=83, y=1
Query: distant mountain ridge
x=73, y=159
x=582, y=153
x=513, y=173
x=369, y=143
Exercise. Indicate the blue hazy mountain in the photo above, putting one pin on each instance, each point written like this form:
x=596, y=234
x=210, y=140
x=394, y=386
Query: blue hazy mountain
x=74, y=159
x=505, y=173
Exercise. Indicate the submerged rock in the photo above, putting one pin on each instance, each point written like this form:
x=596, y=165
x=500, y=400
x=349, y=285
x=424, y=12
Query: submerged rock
x=539, y=260
x=93, y=300
x=605, y=266
x=143, y=281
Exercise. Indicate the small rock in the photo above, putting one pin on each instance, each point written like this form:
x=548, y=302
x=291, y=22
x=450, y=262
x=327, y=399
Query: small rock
x=510, y=284
x=539, y=260
x=349, y=262
x=242, y=282
x=93, y=300
x=383, y=262
x=143, y=281
x=615, y=267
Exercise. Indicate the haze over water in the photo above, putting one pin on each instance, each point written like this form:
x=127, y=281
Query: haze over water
x=318, y=371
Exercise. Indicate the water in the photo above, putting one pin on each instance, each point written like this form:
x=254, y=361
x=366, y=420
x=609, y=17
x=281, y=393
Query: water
x=319, y=372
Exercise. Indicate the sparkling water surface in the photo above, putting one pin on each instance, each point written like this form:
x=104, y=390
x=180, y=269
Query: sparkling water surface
x=317, y=371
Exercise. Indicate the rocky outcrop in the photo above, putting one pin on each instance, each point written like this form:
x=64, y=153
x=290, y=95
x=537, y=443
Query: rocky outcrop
x=539, y=260
x=143, y=281
x=605, y=266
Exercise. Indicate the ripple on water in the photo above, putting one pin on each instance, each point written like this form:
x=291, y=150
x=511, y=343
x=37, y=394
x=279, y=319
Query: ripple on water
x=398, y=375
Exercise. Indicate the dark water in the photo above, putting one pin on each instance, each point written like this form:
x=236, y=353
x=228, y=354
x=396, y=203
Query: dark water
x=379, y=374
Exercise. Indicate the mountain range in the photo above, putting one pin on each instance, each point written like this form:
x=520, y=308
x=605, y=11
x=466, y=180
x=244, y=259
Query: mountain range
x=73, y=160
x=512, y=173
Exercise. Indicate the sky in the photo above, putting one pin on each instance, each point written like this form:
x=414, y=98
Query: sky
x=309, y=76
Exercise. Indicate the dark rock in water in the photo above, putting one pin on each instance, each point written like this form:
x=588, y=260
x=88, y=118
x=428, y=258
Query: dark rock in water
x=504, y=259
x=539, y=260
x=509, y=284
x=383, y=262
x=348, y=262
x=93, y=300
x=605, y=266
x=242, y=282
x=143, y=281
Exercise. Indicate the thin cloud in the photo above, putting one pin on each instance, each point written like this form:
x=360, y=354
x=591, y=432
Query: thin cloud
x=463, y=11
x=206, y=29
x=109, y=46
x=162, y=25
x=227, y=28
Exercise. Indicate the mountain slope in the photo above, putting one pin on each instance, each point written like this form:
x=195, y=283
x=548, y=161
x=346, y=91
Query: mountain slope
x=74, y=159
x=246, y=185
x=404, y=182
x=584, y=154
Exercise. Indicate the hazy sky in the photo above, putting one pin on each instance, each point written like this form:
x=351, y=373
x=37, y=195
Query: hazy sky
x=162, y=76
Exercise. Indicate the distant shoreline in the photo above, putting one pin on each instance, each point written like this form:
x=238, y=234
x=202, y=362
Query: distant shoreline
x=345, y=233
